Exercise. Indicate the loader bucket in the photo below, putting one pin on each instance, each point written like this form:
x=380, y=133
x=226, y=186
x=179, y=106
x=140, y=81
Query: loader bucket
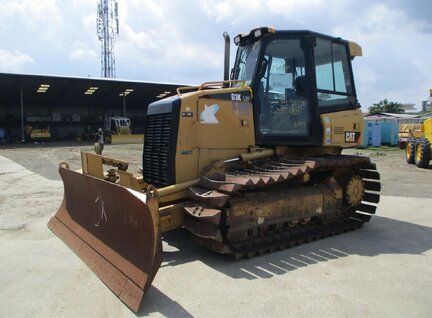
x=114, y=230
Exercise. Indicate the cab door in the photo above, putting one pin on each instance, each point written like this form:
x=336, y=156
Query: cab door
x=282, y=98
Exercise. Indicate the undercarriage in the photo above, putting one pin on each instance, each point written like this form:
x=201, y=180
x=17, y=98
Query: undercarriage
x=277, y=203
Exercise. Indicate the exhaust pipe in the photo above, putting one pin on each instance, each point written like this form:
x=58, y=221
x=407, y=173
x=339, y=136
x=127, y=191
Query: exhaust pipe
x=226, y=56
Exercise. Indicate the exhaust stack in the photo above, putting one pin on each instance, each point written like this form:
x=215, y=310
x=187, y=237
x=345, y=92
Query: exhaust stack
x=226, y=56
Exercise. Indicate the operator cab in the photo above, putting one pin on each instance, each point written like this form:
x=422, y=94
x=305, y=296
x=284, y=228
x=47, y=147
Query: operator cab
x=295, y=77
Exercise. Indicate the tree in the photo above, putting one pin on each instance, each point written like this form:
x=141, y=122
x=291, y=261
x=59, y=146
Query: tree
x=385, y=106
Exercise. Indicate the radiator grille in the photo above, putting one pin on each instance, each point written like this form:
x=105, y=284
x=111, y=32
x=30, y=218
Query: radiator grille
x=157, y=149
x=338, y=130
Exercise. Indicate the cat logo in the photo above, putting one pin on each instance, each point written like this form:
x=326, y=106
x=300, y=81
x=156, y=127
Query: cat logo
x=352, y=136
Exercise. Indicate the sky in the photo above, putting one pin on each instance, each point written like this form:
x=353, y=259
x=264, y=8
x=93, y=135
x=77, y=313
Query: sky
x=180, y=41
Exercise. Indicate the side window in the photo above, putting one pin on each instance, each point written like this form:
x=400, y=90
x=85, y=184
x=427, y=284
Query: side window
x=283, y=100
x=333, y=77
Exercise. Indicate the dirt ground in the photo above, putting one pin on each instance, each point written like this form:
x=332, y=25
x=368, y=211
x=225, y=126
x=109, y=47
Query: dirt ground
x=397, y=177
x=382, y=270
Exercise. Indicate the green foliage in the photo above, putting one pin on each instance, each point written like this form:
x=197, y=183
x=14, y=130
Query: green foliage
x=385, y=106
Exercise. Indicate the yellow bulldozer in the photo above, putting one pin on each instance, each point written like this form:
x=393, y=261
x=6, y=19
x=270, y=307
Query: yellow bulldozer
x=249, y=164
x=418, y=149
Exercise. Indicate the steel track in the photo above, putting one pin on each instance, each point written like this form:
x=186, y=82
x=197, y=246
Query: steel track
x=211, y=198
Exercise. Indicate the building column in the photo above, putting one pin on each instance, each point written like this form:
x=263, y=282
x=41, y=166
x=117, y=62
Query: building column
x=124, y=104
x=22, y=113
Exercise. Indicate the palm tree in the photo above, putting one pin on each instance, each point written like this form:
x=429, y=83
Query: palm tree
x=385, y=106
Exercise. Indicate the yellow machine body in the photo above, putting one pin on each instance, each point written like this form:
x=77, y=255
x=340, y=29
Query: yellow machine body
x=247, y=165
x=418, y=146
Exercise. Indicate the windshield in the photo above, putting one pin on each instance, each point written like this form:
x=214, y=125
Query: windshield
x=246, y=60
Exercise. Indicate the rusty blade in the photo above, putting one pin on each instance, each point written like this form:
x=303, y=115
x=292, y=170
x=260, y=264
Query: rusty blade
x=114, y=230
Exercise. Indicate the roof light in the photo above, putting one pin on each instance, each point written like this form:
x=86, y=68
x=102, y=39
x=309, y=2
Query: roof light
x=43, y=88
x=126, y=92
x=257, y=33
x=254, y=34
x=91, y=90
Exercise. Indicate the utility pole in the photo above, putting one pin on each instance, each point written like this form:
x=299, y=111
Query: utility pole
x=107, y=24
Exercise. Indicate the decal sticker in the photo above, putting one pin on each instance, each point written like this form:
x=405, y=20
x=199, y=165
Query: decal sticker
x=352, y=136
x=101, y=208
x=328, y=131
x=207, y=116
x=187, y=114
x=326, y=120
x=236, y=97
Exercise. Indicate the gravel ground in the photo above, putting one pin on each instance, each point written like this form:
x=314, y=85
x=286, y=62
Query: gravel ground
x=397, y=177
x=381, y=270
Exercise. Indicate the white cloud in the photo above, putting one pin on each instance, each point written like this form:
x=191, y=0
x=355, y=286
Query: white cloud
x=13, y=61
x=81, y=52
x=89, y=23
x=33, y=14
x=396, y=59
x=249, y=11
x=181, y=41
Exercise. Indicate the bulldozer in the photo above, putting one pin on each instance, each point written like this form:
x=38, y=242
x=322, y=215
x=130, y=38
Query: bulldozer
x=248, y=165
x=418, y=150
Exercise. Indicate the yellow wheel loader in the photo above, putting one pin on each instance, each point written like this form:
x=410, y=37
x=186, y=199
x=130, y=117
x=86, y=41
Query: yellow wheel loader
x=418, y=150
x=248, y=165
x=118, y=131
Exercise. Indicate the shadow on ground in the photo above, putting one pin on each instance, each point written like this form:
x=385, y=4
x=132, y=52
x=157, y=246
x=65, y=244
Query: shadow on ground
x=381, y=236
x=156, y=301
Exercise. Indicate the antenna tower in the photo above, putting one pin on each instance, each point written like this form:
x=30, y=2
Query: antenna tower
x=107, y=24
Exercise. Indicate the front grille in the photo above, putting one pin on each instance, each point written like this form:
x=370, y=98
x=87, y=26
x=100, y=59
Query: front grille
x=338, y=130
x=156, y=161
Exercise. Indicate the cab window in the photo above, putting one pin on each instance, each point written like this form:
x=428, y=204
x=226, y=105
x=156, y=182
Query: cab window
x=284, y=105
x=333, y=79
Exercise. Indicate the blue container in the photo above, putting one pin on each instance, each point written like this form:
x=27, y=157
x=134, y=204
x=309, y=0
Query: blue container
x=389, y=133
x=365, y=134
x=374, y=134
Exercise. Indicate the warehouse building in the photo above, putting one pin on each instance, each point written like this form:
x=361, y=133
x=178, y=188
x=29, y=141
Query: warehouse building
x=71, y=108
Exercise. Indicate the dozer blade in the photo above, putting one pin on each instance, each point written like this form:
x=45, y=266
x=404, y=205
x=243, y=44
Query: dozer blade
x=114, y=230
x=127, y=139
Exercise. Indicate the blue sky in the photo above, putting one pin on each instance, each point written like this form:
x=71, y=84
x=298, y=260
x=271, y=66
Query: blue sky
x=181, y=41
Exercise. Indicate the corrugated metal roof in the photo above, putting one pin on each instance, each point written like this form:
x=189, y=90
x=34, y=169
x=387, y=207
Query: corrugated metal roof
x=62, y=91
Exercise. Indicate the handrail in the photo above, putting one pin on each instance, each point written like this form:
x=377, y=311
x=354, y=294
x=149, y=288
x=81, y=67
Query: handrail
x=204, y=85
